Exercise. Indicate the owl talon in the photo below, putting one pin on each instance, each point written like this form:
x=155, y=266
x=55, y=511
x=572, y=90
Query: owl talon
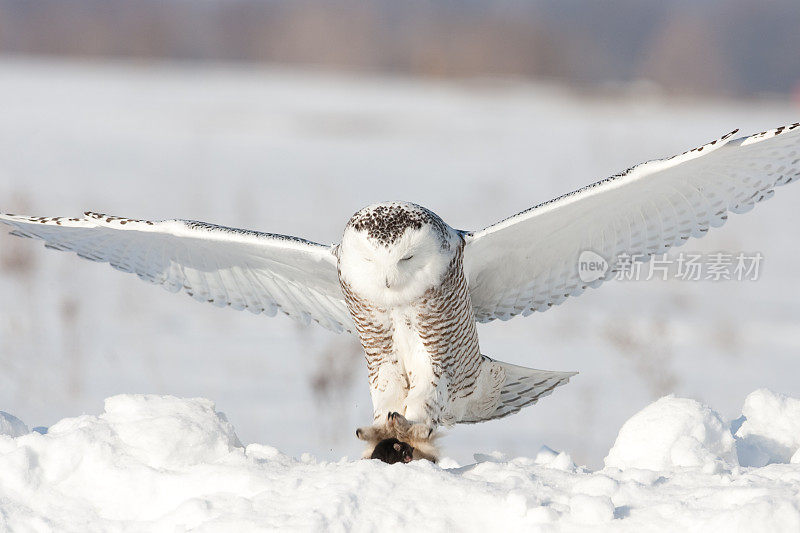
x=369, y=433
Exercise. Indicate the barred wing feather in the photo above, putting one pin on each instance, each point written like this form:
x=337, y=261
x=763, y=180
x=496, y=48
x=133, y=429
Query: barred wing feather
x=529, y=262
x=243, y=269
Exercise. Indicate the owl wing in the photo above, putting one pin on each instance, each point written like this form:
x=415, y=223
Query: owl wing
x=529, y=262
x=260, y=272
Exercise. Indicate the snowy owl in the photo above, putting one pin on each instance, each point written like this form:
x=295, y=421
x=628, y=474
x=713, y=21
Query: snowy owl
x=413, y=288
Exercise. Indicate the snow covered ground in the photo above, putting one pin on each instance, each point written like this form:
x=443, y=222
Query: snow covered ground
x=298, y=153
x=159, y=463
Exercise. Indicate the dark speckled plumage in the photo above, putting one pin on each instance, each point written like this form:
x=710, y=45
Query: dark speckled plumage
x=387, y=222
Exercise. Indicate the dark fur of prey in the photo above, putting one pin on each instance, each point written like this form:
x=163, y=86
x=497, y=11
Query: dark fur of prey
x=393, y=451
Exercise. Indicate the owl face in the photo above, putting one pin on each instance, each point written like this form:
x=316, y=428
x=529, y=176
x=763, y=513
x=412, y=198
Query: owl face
x=393, y=255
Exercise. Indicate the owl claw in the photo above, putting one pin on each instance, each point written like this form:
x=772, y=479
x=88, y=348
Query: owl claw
x=396, y=423
x=418, y=436
x=368, y=433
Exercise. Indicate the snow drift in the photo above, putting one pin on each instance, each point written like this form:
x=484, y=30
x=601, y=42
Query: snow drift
x=674, y=433
x=769, y=429
x=165, y=464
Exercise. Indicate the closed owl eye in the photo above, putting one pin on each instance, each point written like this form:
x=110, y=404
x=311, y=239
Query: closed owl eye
x=406, y=258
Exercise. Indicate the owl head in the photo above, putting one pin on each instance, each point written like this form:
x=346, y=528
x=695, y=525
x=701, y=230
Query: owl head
x=392, y=252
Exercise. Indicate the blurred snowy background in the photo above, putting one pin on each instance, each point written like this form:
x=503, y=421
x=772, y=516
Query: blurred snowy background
x=289, y=136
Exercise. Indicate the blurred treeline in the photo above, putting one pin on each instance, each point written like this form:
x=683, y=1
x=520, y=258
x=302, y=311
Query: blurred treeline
x=734, y=47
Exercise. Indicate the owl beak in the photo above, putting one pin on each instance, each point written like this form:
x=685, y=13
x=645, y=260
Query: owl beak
x=390, y=277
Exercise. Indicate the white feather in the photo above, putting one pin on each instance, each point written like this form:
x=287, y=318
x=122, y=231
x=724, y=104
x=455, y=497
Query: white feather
x=391, y=276
x=529, y=262
x=242, y=269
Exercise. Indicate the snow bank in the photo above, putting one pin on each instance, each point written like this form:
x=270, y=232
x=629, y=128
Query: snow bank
x=160, y=463
x=673, y=433
x=769, y=430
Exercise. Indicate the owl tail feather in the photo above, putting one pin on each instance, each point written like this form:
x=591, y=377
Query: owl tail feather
x=523, y=387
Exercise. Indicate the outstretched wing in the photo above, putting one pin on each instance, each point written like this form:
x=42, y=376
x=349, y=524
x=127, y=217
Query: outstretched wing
x=529, y=262
x=260, y=272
